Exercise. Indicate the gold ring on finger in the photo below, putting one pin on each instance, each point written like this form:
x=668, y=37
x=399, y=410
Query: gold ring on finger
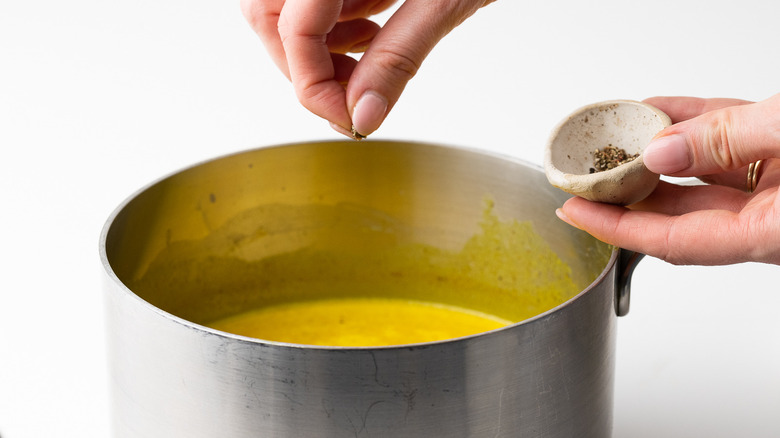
x=752, y=176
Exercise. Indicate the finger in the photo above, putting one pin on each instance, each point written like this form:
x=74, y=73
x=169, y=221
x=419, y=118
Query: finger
x=343, y=66
x=303, y=28
x=351, y=36
x=263, y=17
x=673, y=199
x=363, y=8
x=704, y=237
x=736, y=178
x=683, y=108
x=396, y=54
x=718, y=141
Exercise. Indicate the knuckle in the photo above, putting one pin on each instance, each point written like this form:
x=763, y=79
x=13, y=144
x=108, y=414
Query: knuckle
x=719, y=144
x=679, y=246
x=761, y=228
x=321, y=99
x=399, y=66
x=773, y=126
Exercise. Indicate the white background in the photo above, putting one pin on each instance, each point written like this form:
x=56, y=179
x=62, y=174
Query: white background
x=99, y=98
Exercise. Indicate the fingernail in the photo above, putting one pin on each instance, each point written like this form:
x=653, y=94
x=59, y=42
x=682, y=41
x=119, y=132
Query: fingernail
x=667, y=155
x=341, y=130
x=369, y=112
x=562, y=216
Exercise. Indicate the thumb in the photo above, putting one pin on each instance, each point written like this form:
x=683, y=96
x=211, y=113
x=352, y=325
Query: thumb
x=395, y=55
x=717, y=141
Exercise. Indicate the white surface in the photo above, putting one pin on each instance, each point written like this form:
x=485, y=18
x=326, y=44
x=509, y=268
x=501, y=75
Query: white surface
x=98, y=98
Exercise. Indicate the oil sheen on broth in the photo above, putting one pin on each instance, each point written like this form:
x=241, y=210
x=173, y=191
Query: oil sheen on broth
x=346, y=275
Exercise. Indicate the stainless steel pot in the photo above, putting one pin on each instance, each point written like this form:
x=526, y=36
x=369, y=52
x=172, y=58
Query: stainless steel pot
x=549, y=376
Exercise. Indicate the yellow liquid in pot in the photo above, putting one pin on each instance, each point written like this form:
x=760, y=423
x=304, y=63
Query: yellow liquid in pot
x=352, y=322
x=351, y=276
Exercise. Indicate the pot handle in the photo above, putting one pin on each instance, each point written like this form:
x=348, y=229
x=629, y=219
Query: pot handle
x=626, y=263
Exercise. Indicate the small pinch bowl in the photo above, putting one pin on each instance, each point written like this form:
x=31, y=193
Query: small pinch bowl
x=626, y=124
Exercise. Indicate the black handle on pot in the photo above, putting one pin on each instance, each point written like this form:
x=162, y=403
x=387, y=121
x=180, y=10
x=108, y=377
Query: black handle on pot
x=626, y=263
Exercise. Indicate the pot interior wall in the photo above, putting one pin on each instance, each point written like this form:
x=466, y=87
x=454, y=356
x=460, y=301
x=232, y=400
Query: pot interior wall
x=346, y=219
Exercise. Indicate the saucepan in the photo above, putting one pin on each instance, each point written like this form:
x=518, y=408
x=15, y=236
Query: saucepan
x=298, y=221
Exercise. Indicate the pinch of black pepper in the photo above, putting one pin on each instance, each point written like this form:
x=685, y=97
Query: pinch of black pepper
x=356, y=135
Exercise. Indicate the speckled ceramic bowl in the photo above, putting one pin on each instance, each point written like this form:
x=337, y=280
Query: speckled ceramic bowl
x=626, y=124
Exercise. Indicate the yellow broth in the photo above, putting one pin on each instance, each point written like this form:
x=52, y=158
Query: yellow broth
x=358, y=322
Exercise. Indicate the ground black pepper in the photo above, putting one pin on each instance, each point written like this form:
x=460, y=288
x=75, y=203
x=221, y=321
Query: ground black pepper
x=356, y=135
x=610, y=157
